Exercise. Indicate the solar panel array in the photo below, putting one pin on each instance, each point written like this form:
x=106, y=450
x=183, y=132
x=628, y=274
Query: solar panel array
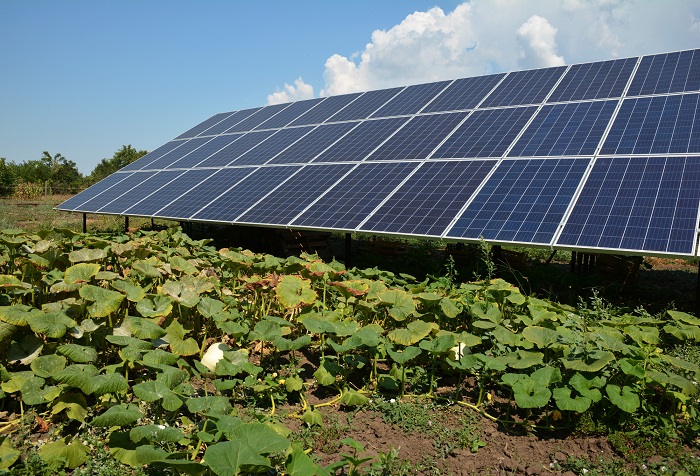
x=596, y=156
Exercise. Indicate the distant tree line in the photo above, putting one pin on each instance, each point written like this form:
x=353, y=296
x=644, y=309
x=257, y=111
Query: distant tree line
x=57, y=173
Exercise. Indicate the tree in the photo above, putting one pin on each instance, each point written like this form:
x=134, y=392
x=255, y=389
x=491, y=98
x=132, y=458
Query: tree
x=64, y=173
x=7, y=177
x=121, y=158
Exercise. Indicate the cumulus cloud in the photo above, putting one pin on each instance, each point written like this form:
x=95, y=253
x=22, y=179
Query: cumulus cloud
x=538, y=38
x=300, y=90
x=486, y=36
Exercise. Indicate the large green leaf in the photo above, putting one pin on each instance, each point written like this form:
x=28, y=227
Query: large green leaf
x=266, y=331
x=105, y=301
x=8, y=453
x=52, y=324
x=625, y=398
x=587, y=387
x=232, y=458
x=439, y=345
x=48, y=365
x=18, y=314
x=80, y=354
x=181, y=292
x=9, y=282
x=71, y=455
x=78, y=376
x=156, y=433
x=180, y=264
x=259, y=436
x=210, y=404
x=156, y=305
x=175, y=336
x=399, y=302
x=86, y=254
x=565, y=402
x=401, y=357
x=153, y=390
x=25, y=350
x=146, y=269
x=529, y=394
x=542, y=337
x=118, y=415
x=594, y=363
x=74, y=404
x=450, y=307
x=293, y=291
x=81, y=273
x=298, y=463
x=414, y=332
x=107, y=383
x=522, y=359
x=143, y=328
x=134, y=292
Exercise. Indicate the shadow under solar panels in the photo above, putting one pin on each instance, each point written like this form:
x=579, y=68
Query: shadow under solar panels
x=523, y=201
x=637, y=204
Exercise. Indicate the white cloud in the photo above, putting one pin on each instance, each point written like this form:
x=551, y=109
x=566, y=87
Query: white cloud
x=538, y=38
x=300, y=90
x=484, y=36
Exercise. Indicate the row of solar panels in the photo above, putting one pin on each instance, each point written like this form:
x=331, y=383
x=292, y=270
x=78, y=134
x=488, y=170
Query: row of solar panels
x=637, y=204
x=652, y=125
x=580, y=156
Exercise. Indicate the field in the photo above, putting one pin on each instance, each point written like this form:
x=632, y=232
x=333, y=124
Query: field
x=156, y=353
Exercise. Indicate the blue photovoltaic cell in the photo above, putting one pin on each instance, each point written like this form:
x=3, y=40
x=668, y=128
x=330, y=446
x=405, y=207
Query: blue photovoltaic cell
x=140, y=191
x=523, y=201
x=272, y=146
x=314, y=143
x=202, y=126
x=361, y=141
x=667, y=73
x=290, y=113
x=656, y=125
x=565, y=129
x=236, y=149
x=419, y=137
x=326, y=109
x=214, y=145
x=355, y=196
x=243, y=195
x=295, y=194
x=153, y=156
x=640, y=203
x=197, y=198
x=169, y=193
x=465, y=93
x=430, y=199
x=486, y=133
x=168, y=159
x=229, y=122
x=114, y=191
x=258, y=118
x=604, y=79
x=524, y=87
x=92, y=192
x=365, y=105
x=411, y=100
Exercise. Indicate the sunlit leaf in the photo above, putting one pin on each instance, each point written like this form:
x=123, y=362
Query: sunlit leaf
x=293, y=291
x=81, y=273
x=105, y=301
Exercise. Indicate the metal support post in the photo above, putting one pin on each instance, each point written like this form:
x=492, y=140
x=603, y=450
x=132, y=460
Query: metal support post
x=84, y=222
x=348, y=250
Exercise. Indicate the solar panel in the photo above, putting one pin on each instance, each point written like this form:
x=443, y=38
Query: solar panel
x=314, y=143
x=74, y=202
x=641, y=204
x=290, y=113
x=258, y=118
x=355, y=196
x=140, y=191
x=667, y=73
x=464, y=93
x=361, y=140
x=486, y=133
x=279, y=141
x=232, y=203
x=503, y=156
x=174, y=155
x=419, y=137
x=429, y=200
x=365, y=105
x=115, y=191
x=195, y=199
x=411, y=100
x=229, y=122
x=524, y=87
x=326, y=109
x=565, y=129
x=523, y=201
x=294, y=195
x=152, y=156
x=204, y=125
x=604, y=79
x=186, y=182
x=242, y=145
x=207, y=149
x=656, y=125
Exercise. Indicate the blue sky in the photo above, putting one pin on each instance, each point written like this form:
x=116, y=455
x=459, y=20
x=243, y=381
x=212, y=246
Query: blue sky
x=82, y=78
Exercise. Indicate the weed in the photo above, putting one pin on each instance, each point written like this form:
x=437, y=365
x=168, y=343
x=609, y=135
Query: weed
x=409, y=416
